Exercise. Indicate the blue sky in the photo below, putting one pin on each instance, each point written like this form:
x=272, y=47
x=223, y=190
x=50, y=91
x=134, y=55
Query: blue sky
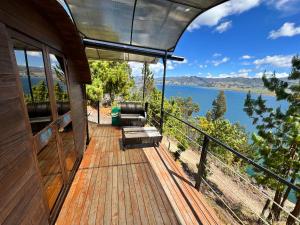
x=241, y=38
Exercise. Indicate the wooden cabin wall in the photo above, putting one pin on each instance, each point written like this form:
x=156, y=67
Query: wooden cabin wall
x=23, y=17
x=78, y=109
x=21, y=196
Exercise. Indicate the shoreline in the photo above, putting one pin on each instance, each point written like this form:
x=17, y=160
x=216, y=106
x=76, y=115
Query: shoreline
x=266, y=93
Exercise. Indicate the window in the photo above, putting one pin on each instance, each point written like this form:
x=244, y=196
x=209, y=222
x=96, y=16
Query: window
x=49, y=164
x=34, y=82
x=60, y=84
x=33, y=78
x=63, y=107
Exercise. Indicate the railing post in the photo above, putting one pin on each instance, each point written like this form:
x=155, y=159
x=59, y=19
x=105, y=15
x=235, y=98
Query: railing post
x=163, y=94
x=201, y=167
x=98, y=106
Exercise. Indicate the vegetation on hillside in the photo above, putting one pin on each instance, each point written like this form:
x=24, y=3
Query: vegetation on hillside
x=278, y=139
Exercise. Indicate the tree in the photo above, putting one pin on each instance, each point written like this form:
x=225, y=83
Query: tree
x=95, y=91
x=278, y=138
x=233, y=135
x=148, y=76
x=60, y=93
x=218, y=107
x=40, y=92
x=110, y=77
x=187, y=106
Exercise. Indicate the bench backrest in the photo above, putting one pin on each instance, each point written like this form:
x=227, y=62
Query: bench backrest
x=132, y=108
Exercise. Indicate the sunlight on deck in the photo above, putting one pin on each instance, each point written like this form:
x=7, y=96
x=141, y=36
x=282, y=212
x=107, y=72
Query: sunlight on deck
x=136, y=186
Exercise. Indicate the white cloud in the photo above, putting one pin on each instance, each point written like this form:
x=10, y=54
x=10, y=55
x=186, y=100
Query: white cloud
x=170, y=65
x=286, y=30
x=247, y=57
x=221, y=61
x=214, y=16
x=136, y=68
x=223, y=26
x=270, y=73
x=157, y=68
x=217, y=54
x=34, y=53
x=225, y=75
x=275, y=60
x=203, y=66
x=245, y=74
x=285, y=6
x=245, y=70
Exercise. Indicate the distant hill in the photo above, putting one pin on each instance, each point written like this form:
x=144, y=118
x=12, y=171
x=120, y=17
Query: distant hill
x=228, y=83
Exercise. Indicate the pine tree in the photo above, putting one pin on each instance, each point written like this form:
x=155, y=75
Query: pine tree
x=40, y=92
x=219, y=106
x=278, y=136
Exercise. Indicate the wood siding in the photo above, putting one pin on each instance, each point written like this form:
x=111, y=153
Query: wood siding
x=21, y=192
x=20, y=189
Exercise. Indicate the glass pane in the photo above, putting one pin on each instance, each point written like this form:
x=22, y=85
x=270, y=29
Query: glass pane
x=60, y=84
x=33, y=78
x=159, y=23
x=49, y=165
x=104, y=20
x=70, y=154
x=63, y=106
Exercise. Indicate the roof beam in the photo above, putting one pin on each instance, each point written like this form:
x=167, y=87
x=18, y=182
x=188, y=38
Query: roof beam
x=129, y=49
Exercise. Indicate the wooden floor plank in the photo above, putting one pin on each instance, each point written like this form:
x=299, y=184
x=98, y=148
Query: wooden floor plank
x=147, y=204
x=121, y=196
x=154, y=204
x=108, y=194
x=127, y=200
x=196, y=199
x=135, y=186
x=115, y=199
x=162, y=198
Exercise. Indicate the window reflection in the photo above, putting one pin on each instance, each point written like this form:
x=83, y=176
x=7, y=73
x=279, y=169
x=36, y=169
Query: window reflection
x=33, y=78
x=68, y=146
x=63, y=106
x=49, y=165
x=60, y=84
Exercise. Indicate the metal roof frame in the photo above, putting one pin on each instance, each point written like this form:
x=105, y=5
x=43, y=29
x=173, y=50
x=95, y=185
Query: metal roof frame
x=138, y=48
x=130, y=49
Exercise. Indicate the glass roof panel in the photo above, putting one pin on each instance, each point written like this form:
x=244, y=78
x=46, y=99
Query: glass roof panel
x=107, y=20
x=159, y=23
x=156, y=24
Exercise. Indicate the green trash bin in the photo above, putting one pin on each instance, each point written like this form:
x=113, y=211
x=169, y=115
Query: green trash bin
x=115, y=120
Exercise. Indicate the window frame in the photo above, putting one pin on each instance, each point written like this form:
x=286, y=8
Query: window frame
x=35, y=139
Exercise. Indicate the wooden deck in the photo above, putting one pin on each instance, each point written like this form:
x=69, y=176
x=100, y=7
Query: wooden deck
x=136, y=186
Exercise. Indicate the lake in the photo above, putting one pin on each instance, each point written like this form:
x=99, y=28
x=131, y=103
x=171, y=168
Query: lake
x=234, y=99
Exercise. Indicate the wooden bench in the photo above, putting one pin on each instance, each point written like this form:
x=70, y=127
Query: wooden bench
x=144, y=136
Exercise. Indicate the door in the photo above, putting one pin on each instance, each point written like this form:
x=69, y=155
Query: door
x=64, y=122
x=37, y=89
